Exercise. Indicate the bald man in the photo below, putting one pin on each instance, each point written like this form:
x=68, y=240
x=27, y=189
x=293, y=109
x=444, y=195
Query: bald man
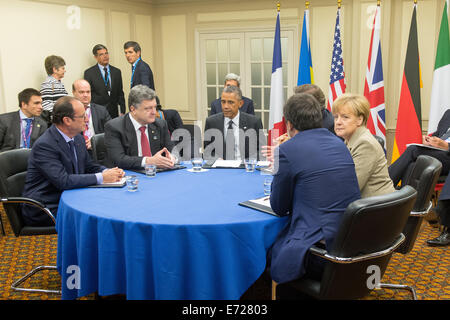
x=96, y=115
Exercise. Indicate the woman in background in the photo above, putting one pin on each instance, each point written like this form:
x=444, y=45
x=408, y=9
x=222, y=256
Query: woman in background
x=351, y=112
x=52, y=88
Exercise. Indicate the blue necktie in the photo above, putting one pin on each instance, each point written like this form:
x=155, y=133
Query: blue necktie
x=132, y=75
x=72, y=156
x=26, y=140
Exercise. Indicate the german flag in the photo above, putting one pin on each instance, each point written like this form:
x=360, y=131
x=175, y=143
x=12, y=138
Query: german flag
x=409, y=118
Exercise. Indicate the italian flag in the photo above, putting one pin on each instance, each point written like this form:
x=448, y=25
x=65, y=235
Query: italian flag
x=440, y=91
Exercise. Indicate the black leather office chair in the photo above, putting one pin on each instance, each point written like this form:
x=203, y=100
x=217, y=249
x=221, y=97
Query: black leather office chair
x=195, y=139
x=99, y=148
x=13, y=169
x=380, y=140
x=370, y=232
x=423, y=177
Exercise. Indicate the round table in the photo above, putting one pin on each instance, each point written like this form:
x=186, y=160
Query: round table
x=182, y=235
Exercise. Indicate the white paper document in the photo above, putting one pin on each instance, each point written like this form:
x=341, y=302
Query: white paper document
x=425, y=146
x=264, y=201
x=263, y=163
x=122, y=182
x=227, y=163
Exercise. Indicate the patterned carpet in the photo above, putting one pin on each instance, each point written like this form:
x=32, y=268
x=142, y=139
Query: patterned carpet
x=425, y=268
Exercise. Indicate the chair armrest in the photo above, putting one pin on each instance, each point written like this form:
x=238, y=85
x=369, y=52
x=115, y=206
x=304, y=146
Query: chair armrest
x=30, y=202
x=341, y=260
x=421, y=213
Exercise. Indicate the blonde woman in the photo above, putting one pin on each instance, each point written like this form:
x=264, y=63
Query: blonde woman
x=351, y=112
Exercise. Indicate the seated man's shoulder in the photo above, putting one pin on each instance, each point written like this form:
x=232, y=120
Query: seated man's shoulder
x=7, y=115
x=99, y=107
x=115, y=123
x=216, y=116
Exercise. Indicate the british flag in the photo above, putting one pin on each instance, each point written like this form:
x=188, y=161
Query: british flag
x=374, y=84
x=337, y=76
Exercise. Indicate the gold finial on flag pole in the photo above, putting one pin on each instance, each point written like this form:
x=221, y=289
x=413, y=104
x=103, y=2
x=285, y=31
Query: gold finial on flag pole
x=378, y=3
x=339, y=4
x=307, y=4
x=415, y=1
x=278, y=6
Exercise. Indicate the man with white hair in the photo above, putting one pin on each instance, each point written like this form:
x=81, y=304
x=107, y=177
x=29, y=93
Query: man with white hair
x=232, y=79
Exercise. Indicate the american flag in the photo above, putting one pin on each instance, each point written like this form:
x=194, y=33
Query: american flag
x=374, y=85
x=337, y=76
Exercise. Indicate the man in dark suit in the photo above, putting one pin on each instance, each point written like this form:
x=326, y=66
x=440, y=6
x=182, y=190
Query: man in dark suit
x=316, y=92
x=20, y=129
x=439, y=139
x=232, y=79
x=106, y=82
x=236, y=133
x=141, y=73
x=301, y=190
x=59, y=161
x=96, y=115
x=138, y=137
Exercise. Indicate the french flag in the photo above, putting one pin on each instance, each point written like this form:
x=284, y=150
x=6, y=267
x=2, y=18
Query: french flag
x=277, y=126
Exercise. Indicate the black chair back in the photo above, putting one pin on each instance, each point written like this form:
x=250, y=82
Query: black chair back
x=98, y=148
x=422, y=176
x=368, y=226
x=13, y=171
x=380, y=140
x=195, y=134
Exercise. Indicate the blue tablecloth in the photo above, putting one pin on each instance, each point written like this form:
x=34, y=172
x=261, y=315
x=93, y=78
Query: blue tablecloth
x=181, y=236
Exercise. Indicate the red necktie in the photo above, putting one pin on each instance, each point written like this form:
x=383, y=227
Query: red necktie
x=145, y=145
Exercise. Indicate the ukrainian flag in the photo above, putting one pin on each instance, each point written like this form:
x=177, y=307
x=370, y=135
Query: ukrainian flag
x=305, y=69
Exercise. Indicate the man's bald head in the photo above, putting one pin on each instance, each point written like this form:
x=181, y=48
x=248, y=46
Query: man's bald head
x=81, y=89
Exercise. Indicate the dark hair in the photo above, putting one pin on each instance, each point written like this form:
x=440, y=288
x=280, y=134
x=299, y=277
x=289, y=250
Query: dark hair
x=25, y=95
x=63, y=108
x=314, y=90
x=233, y=89
x=98, y=47
x=303, y=111
x=134, y=44
x=53, y=62
x=158, y=104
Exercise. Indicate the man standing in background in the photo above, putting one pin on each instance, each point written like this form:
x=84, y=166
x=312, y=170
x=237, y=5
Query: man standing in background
x=106, y=82
x=141, y=73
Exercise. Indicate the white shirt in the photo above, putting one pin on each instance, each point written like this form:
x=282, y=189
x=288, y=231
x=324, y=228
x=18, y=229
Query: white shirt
x=136, y=126
x=90, y=125
x=235, y=120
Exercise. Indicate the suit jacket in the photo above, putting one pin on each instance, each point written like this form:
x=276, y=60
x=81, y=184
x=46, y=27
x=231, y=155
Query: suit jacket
x=50, y=172
x=99, y=91
x=247, y=107
x=100, y=116
x=305, y=188
x=370, y=164
x=173, y=119
x=247, y=123
x=327, y=120
x=143, y=75
x=11, y=132
x=121, y=141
